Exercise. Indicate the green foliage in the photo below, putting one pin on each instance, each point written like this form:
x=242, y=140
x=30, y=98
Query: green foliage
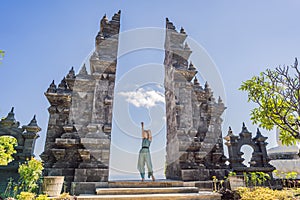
x=291, y=175
x=260, y=193
x=246, y=178
x=42, y=197
x=257, y=178
x=262, y=177
x=277, y=94
x=7, y=149
x=231, y=174
x=253, y=178
x=2, y=53
x=26, y=196
x=8, y=190
x=30, y=173
x=65, y=196
x=279, y=174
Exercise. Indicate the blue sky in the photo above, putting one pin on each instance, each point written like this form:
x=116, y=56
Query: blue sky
x=44, y=39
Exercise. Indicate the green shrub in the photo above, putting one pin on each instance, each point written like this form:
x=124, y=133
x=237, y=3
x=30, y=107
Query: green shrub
x=42, y=197
x=26, y=196
x=261, y=193
x=30, y=173
x=65, y=196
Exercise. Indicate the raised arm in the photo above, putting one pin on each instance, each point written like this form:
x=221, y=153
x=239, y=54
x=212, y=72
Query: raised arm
x=149, y=135
x=143, y=132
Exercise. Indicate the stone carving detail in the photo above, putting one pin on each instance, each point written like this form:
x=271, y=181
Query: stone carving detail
x=79, y=129
x=194, y=137
x=26, y=137
x=259, y=161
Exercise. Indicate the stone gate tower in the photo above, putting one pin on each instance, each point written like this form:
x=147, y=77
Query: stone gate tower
x=79, y=129
x=194, y=137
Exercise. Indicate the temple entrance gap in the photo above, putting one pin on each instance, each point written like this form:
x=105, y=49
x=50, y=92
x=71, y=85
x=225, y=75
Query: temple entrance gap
x=79, y=137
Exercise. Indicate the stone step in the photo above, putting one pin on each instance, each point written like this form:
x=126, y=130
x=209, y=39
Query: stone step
x=161, y=190
x=169, y=196
x=145, y=184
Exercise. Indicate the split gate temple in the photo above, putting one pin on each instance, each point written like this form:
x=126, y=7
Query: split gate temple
x=80, y=116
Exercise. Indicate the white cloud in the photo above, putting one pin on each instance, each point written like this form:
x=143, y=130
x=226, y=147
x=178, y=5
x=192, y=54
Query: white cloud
x=143, y=98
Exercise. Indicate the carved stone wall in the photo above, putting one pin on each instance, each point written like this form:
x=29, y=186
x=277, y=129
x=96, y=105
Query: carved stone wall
x=26, y=137
x=194, y=137
x=79, y=129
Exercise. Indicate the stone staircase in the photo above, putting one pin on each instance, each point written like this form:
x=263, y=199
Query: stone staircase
x=148, y=190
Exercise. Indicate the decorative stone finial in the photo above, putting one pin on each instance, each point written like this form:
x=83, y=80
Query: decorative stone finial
x=32, y=127
x=116, y=16
x=230, y=131
x=206, y=85
x=191, y=67
x=229, y=134
x=169, y=25
x=186, y=46
x=63, y=84
x=258, y=133
x=83, y=71
x=182, y=30
x=220, y=100
x=244, y=130
x=11, y=115
x=33, y=122
x=103, y=22
x=104, y=17
x=196, y=82
x=10, y=120
x=259, y=136
x=52, y=88
x=71, y=74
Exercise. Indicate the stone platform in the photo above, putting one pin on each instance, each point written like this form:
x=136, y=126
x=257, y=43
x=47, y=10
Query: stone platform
x=145, y=184
x=160, y=189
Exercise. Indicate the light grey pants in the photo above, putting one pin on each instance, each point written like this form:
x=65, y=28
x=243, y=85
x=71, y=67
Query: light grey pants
x=145, y=158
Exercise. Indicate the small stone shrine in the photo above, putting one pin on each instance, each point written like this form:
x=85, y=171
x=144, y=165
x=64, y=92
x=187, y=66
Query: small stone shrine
x=26, y=137
x=259, y=161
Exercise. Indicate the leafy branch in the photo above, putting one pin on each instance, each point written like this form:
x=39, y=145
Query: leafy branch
x=277, y=94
